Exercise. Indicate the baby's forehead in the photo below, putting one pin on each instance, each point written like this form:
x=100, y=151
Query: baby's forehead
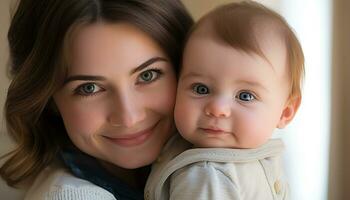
x=266, y=43
x=249, y=36
x=258, y=38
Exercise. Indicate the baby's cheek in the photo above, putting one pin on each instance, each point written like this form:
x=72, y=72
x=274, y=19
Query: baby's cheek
x=259, y=129
x=179, y=116
x=183, y=116
x=188, y=112
x=253, y=129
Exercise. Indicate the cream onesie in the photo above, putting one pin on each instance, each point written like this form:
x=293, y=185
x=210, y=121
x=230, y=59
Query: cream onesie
x=183, y=173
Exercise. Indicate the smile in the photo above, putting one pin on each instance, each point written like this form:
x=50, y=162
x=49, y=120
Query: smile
x=133, y=139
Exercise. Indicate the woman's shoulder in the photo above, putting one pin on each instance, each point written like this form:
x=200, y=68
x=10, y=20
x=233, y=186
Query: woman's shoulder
x=56, y=183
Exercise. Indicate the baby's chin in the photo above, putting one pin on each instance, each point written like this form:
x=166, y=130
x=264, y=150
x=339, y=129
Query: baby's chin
x=214, y=143
x=221, y=143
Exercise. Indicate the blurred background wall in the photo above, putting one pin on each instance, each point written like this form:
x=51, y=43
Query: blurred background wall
x=318, y=140
x=339, y=176
x=5, y=144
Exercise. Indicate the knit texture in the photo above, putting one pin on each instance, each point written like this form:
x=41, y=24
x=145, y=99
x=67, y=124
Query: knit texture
x=68, y=192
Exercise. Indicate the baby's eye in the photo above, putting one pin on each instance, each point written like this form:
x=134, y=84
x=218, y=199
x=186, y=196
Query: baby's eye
x=200, y=89
x=149, y=76
x=245, y=96
x=87, y=89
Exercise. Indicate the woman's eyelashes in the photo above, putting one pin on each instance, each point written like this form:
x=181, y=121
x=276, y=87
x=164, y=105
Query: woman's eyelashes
x=149, y=76
x=91, y=88
x=88, y=89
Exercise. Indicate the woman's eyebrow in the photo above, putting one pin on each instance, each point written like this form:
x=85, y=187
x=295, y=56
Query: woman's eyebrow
x=147, y=63
x=84, y=78
x=101, y=78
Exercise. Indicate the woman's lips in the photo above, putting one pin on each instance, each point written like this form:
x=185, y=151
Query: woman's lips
x=133, y=139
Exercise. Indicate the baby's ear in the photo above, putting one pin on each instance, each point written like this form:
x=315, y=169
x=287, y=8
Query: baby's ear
x=289, y=111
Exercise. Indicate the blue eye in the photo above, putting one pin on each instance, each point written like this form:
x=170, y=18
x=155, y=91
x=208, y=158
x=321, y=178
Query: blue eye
x=200, y=89
x=149, y=76
x=87, y=89
x=245, y=96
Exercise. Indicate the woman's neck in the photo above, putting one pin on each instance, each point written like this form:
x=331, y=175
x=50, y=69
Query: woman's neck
x=135, y=178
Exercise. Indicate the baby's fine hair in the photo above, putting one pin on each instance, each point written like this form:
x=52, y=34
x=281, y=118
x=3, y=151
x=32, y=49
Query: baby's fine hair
x=236, y=24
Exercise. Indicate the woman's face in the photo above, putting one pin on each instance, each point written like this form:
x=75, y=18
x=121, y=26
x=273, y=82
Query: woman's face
x=118, y=98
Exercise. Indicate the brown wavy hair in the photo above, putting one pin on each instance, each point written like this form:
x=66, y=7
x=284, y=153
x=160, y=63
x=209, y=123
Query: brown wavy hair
x=38, y=38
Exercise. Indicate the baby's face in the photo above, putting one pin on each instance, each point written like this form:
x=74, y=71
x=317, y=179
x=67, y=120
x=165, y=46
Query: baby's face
x=229, y=98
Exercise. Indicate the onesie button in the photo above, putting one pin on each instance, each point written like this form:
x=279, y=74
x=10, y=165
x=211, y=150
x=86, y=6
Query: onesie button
x=278, y=187
x=147, y=195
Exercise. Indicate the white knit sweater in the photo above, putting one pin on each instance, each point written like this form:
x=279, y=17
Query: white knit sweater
x=55, y=183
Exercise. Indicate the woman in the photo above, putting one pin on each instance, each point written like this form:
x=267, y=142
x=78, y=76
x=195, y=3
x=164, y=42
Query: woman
x=92, y=95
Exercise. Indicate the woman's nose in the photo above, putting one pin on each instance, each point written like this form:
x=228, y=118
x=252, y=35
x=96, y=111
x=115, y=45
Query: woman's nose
x=126, y=110
x=219, y=107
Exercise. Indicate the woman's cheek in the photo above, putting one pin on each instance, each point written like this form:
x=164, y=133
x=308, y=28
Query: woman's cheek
x=161, y=99
x=83, y=121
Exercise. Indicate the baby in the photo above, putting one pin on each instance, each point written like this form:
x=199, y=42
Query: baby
x=240, y=79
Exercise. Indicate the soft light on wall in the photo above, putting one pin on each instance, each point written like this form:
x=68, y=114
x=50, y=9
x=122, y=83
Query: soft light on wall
x=307, y=137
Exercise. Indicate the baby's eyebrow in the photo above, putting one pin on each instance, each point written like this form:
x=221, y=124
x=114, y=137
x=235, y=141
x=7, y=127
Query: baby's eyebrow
x=191, y=75
x=239, y=81
x=251, y=83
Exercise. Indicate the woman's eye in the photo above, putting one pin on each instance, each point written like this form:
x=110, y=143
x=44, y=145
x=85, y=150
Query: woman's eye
x=200, y=89
x=245, y=96
x=149, y=76
x=88, y=89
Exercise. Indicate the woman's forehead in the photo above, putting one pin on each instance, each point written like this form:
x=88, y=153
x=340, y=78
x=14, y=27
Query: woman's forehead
x=112, y=45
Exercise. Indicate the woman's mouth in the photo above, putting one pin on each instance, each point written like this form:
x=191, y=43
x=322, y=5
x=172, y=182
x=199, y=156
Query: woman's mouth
x=133, y=139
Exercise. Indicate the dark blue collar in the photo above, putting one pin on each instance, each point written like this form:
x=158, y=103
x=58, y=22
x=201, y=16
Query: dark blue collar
x=86, y=167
